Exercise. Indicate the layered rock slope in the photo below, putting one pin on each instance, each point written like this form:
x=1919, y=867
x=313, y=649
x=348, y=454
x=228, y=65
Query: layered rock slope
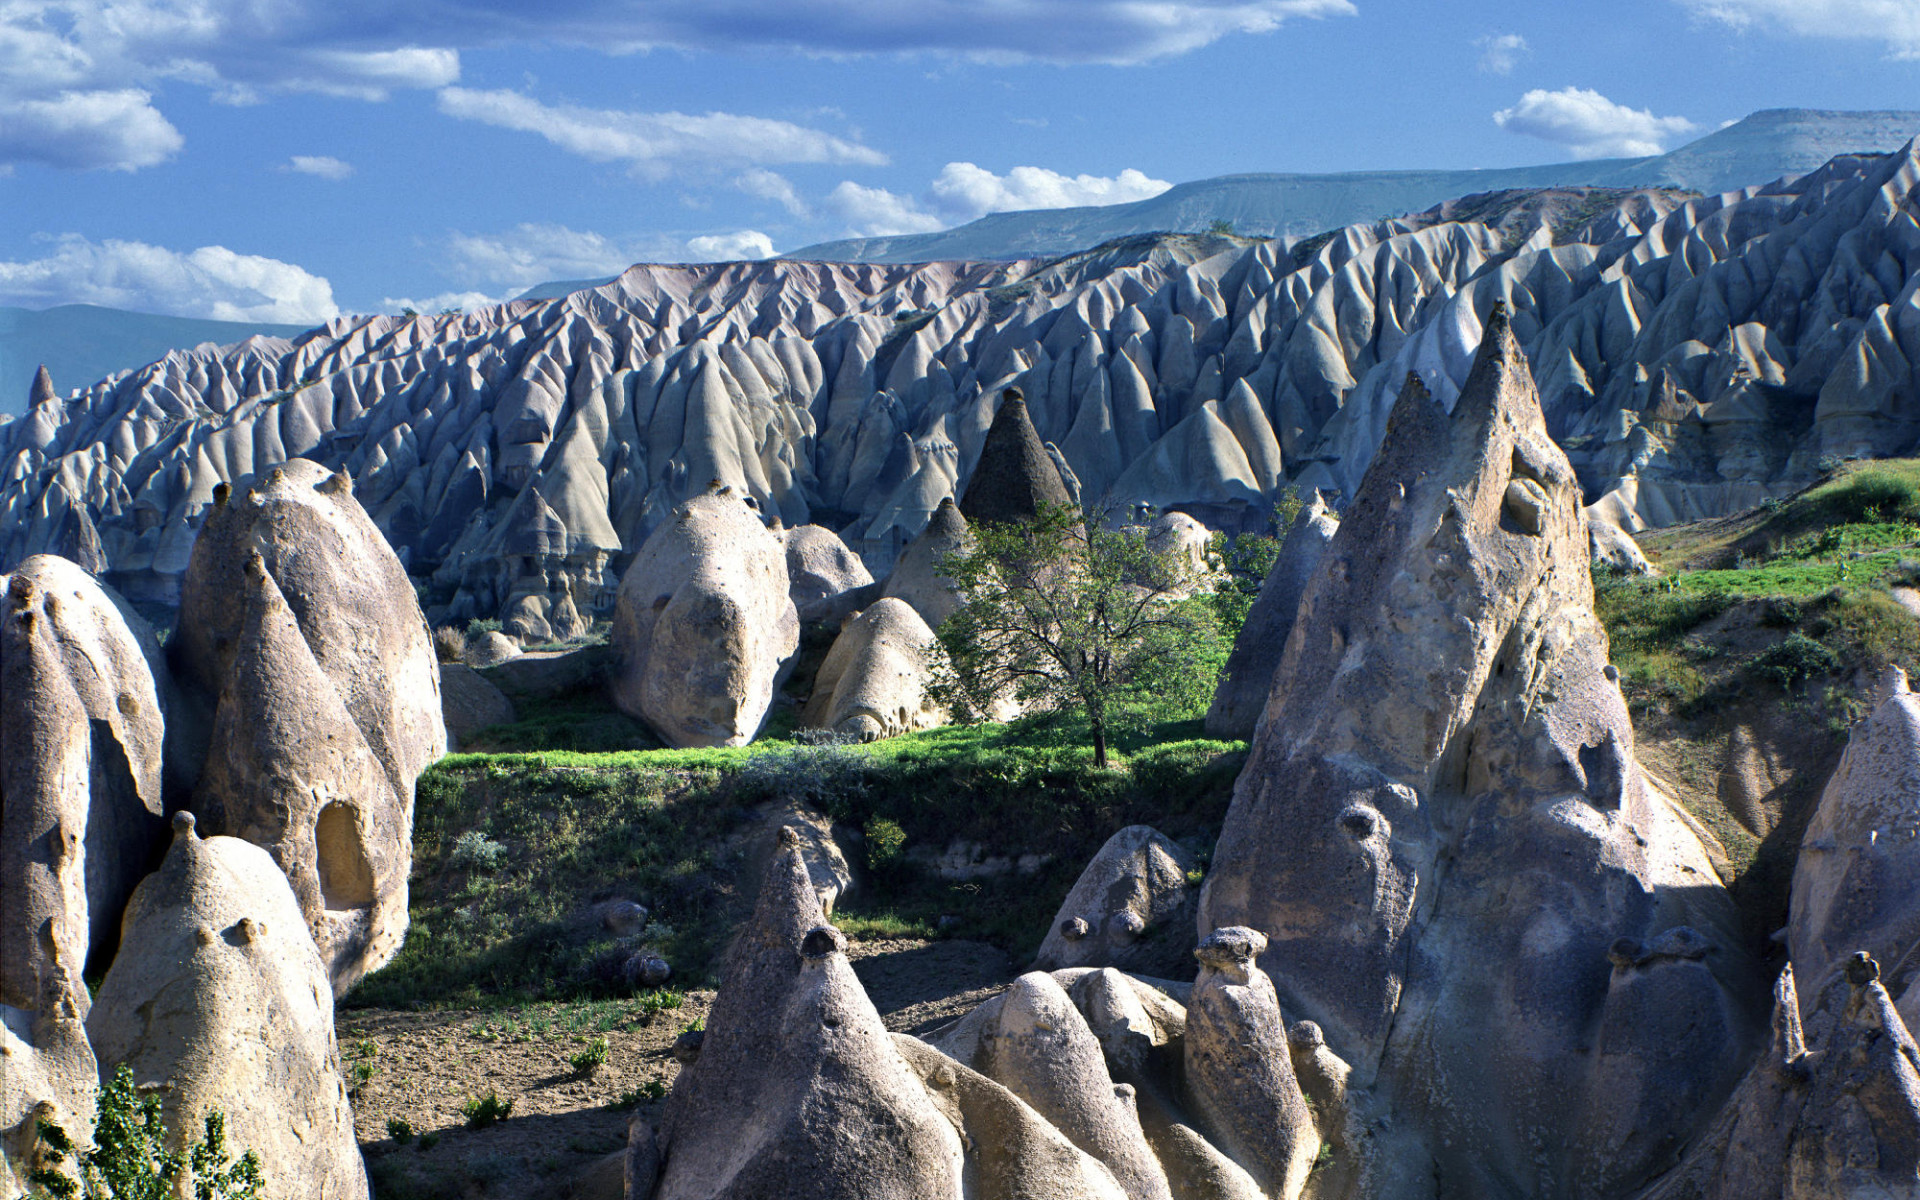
x=1693, y=354
x=1466, y=881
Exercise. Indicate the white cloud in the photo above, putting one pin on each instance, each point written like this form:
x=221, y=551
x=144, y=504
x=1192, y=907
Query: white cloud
x=771, y=185
x=964, y=192
x=877, y=212
x=323, y=165
x=745, y=245
x=531, y=253
x=656, y=142
x=458, y=301
x=81, y=130
x=967, y=191
x=1589, y=124
x=1893, y=22
x=1500, y=53
x=212, y=282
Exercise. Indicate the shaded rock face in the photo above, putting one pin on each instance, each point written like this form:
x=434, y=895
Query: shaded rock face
x=917, y=577
x=1241, y=695
x=1016, y=478
x=304, y=650
x=1132, y=908
x=705, y=627
x=1443, y=832
x=470, y=703
x=873, y=683
x=798, y=1090
x=1857, y=883
x=219, y=992
x=81, y=733
x=820, y=567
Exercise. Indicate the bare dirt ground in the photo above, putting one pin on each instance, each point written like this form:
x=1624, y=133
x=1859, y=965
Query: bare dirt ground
x=422, y=1068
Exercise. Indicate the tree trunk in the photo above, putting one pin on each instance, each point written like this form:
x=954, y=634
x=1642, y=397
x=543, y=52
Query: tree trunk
x=1099, y=744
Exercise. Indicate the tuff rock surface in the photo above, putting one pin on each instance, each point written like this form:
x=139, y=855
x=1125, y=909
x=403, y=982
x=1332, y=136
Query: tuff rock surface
x=705, y=627
x=1694, y=355
x=917, y=578
x=219, y=993
x=873, y=683
x=1464, y=878
x=314, y=703
x=1131, y=908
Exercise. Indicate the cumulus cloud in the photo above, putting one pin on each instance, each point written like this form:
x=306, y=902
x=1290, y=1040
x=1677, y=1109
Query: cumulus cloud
x=730, y=247
x=1589, y=124
x=1896, y=23
x=445, y=301
x=1500, y=53
x=656, y=142
x=212, y=282
x=877, y=212
x=534, y=253
x=323, y=165
x=964, y=192
x=771, y=185
x=968, y=191
x=82, y=130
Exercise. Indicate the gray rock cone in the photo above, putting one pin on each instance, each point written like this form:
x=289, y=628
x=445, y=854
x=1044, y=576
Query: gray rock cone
x=1241, y=695
x=1016, y=477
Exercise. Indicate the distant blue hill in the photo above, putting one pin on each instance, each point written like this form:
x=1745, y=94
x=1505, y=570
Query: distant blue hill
x=82, y=344
x=1759, y=149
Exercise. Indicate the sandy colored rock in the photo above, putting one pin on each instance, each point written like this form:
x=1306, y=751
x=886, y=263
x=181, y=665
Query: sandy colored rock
x=1239, y=1068
x=1189, y=542
x=1240, y=698
x=1746, y=780
x=1856, y=885
x=1015, y=478
x=704, y=625
x=1131, y=908
x=820, y=566
x=81, y=733
x=1441, y=809
x=1613, y=546
x=917, y=578
x=491, y=649
x=355, y=607
x=873, y=682
x=779, y=823
x=1012, y=1152
x=219, y=992
x=798, y=1091
x=290, y=772
x=1040, y=1048
x=470, y=703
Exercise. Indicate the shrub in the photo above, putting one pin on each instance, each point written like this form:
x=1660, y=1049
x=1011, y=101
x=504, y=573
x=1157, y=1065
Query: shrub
x=884, y=839
x=591, y=1059
x=1871, y=494
x=478, y=628
x=450, y=644
x=485, y=1110
x=399, y=1130
x=473, y=851
x=130, y=1159
x=1796, y=658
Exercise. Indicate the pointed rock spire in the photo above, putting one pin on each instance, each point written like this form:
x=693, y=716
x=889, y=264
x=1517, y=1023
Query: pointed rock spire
x=42, y=390
x=1015, y=477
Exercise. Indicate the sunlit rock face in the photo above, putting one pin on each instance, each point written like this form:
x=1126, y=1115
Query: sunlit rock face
x=1462, y=875
x=1693, y=355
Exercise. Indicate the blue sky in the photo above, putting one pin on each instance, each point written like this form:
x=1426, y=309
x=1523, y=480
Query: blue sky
x=287, y=160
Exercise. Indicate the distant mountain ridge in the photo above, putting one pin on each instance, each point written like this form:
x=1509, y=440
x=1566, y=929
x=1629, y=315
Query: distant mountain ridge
x=1765, y=146
x=84, y=343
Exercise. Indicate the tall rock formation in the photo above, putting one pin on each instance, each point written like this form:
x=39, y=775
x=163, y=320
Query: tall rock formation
x=873, y=682
x=798, y=1090
x=705, y=626
x=220, y=995
x=314, y=702
x=1015, y=478
x=1465, y=879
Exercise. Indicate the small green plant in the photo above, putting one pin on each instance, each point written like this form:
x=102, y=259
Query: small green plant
x=478, y=628
x=484, y=1111
x=359, y=1074
x=652, y=1089
x=130, y=1159
x=590, y=1060
x=428, y=1141
x=473, y=851
x=1796, y=658
x=399, y=1130
x=884, y=839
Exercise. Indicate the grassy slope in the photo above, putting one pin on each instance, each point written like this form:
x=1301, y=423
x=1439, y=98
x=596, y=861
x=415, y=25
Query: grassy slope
x=1772, y=622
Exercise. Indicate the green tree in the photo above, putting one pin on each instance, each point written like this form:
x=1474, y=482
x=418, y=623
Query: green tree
x=130, y=1159
x=1062, y=614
